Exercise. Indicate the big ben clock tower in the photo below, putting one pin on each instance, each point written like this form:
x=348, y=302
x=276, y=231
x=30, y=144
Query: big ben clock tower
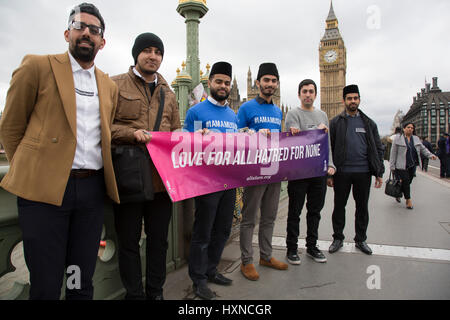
x=333, y=67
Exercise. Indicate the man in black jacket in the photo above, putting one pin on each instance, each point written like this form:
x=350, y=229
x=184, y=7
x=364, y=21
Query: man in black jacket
x=425, y=159
x=357, y=154
x=444, y=155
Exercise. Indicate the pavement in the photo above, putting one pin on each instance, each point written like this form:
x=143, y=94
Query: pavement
x=410, y=261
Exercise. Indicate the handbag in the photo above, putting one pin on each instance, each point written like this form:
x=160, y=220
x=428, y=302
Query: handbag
x=393, y=187
x=132, y=167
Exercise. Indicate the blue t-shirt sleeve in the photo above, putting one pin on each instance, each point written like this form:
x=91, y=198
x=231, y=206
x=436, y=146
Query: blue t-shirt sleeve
x=242, y=118
x=189, y=121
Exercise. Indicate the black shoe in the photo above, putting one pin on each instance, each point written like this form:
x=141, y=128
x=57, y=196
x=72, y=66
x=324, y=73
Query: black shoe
x=363, y=247
x=336, y=245
x=398, y=200
x=292, y=257
x=202, y=291
x=219, y=278
x=158, y=297
x=316, y=254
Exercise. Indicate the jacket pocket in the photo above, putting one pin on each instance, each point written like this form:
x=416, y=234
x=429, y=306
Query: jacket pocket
x=129, y=107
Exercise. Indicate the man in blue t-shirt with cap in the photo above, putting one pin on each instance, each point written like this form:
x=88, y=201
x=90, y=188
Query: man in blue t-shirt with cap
x=214, y=211
x=260, y=115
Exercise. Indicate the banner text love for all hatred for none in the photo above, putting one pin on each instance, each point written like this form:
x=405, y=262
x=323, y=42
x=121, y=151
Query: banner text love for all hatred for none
x=192, y=164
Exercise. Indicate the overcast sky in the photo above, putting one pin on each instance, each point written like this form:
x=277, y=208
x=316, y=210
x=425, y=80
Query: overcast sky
x=392, y=46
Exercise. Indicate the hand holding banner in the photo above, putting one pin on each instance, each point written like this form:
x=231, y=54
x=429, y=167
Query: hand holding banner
x=192, y=164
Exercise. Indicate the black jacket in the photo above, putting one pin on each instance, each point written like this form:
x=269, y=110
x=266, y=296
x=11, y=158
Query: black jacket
x=338, y=132
x=442, y=148
x=428, y=145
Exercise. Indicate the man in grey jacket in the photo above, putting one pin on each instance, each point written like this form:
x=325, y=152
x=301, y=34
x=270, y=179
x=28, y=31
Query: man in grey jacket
x=306, y=117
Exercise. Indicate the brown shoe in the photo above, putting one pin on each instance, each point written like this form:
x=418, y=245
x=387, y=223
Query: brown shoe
x=409, y=204
x=249, y=271
x=273, y=263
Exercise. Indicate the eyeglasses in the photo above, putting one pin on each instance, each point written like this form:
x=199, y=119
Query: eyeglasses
x=93, y=29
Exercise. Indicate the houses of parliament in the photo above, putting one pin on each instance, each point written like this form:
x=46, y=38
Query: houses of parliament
x=332, y=64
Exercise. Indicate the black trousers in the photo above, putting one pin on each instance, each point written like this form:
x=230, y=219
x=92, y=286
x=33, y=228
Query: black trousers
x=212, y=227
x=445, y=165
x=56, y=237
x=343, y=182
x=425, y=162
x=406, y=176
x=128, y=221
x=314, y=190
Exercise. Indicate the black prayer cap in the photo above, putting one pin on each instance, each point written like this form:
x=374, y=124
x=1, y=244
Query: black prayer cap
x=268, y=68
x=144, y=41
x=353, y=88
x=221, y=68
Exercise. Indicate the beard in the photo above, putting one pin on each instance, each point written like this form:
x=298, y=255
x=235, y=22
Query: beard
x=268, y=91
x=352, y=107
x=143, y=70
x=83, y=53
x=217, y=97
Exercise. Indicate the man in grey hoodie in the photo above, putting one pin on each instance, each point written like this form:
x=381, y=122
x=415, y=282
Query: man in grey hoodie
x=306, y=117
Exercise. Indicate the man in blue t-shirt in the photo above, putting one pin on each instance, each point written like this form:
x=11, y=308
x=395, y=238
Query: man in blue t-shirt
x=260, y=115
x=214, y=211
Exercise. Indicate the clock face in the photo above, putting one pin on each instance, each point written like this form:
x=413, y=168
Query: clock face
x=330, y=56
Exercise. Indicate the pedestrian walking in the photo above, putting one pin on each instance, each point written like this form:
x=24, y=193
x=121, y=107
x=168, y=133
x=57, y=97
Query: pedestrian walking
x=425, y=159
x=443, y=145
x=405, y=158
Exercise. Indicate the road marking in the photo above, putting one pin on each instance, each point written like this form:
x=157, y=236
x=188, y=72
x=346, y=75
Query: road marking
x=377, y=249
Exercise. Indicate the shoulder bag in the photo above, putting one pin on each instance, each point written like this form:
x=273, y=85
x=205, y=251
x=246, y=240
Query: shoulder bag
x=132, y=167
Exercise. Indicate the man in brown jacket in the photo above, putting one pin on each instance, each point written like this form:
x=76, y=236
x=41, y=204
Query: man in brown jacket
x=140, y=95
x=56, y=133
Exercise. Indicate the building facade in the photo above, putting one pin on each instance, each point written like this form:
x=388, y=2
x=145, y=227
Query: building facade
x=398, y=118
x=333, y=67
x=235, y=98
x=430, y=112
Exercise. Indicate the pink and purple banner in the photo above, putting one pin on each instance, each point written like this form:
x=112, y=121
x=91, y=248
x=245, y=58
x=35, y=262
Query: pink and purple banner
x=192, y=164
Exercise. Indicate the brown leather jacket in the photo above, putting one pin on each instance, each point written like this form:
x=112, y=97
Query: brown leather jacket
x=138, y=109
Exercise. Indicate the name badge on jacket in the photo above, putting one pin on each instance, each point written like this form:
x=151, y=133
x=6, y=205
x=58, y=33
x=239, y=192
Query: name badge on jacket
x=360, y=130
